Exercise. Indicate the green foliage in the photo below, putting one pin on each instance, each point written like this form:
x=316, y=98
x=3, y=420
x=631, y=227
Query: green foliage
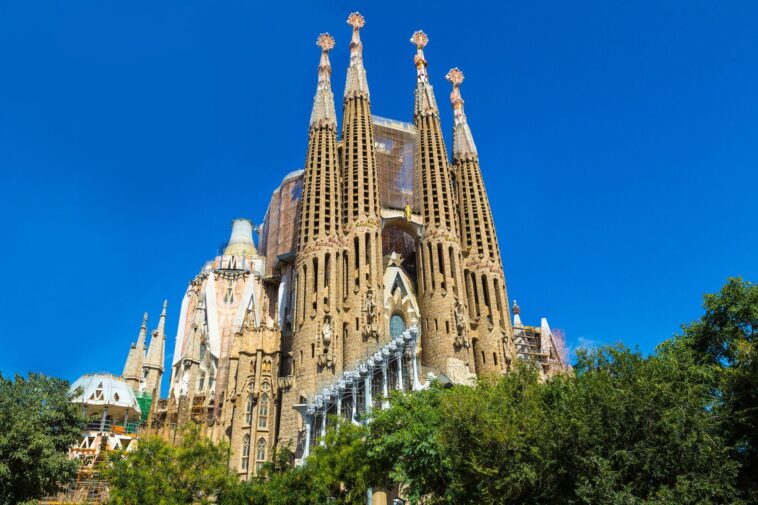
x=193, y=472
x=337, y=472
x=624, y=429
x=38, y=424
x=405, y=442
x=678, y=426
x=725, y=337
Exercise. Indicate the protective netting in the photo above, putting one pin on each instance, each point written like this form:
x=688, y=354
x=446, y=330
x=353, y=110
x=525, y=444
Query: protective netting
x=279, y=234
x=395, y=146
x=561, y=349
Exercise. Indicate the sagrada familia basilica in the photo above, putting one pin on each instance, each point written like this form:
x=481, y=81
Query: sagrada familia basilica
x=377, y=269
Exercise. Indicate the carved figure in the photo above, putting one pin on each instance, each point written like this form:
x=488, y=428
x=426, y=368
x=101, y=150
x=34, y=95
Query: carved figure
x=460, y=326
x=371, y=329
x=326, y=332
x=184, y=386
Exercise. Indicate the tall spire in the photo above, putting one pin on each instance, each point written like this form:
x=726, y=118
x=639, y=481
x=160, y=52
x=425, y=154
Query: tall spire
x=463, y=141
x=323, y=103
x=356, y=74
x=133, y=366
x=441, y=297
x=361, y=211
x=485, y=280
x=425, y=102
x=155, y=353
x=197, y=334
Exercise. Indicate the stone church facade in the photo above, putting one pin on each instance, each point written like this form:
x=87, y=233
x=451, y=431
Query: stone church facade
x=377, y=268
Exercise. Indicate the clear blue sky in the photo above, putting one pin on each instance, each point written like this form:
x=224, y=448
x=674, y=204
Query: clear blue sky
x=618, y=142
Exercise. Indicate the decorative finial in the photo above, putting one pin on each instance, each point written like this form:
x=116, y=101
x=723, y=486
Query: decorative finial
x=516, y=308
x=356, y=84
x=356, y=20
x=165, y=304
x=144, y=319
x=463, y=141
x=325, y=42
x=419, y=39
x=323, y=113
x=455, y=76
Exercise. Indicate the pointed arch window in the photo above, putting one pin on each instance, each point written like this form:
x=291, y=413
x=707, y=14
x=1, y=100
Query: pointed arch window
x=245, y=453
x=201, y=380
x=249, y=410
x=98, y=394
x=263, y=413
x=397, y=325
x=266, y=366
x=260, y=454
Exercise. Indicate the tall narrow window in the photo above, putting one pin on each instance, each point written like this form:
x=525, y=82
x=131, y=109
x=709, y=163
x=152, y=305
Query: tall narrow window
x=441, y=260
x=344, y=275
x=486, y=295
x=432, y=273
x=249, y=410
x=260, y=454
x=245, y=452
x=327, y=274
x=315, y=275
x=453, y=272
x=499, y=302
x=357, y=256
x=263, y=412
x=201, y=380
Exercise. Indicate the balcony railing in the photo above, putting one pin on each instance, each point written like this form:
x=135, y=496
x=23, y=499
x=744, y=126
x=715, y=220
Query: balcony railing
x=115, y=427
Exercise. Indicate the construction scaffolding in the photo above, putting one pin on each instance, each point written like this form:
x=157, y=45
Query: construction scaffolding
x=395, y=147
x=279, y=231
x=543, y=346
x=145, y=400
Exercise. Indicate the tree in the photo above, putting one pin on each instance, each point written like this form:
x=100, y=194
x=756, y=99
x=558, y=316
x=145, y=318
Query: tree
x=404, y=443
x=38, y=423
x=193, y=472
x=635, y=429
x=337, y=471
x=624, y=429
x=725, y=339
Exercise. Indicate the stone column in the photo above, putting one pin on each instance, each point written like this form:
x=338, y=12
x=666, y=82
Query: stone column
x=354, y=381
x=308, y=423
x=385, y=389
x=367, y=383
x=399, y=356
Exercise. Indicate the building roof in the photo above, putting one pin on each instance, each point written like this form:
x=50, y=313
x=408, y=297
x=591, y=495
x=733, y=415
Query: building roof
x=101, y=389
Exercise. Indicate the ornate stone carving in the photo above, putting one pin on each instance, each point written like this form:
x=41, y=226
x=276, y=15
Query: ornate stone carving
x=184, y=385
x=326, y=358
x=461, y=339
x=326, y=332
x=371, y=326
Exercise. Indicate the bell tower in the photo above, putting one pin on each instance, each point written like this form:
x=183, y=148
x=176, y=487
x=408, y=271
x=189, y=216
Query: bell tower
x=493, y=347
x=444, y=338
x=316, y=351
x=362, y=329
